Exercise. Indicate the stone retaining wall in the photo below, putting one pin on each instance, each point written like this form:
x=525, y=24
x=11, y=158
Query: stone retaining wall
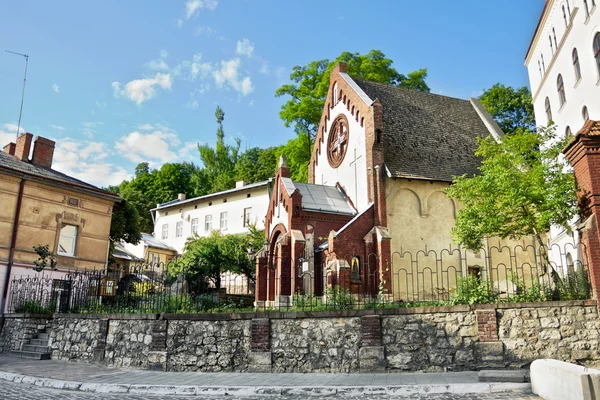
x=417, y=339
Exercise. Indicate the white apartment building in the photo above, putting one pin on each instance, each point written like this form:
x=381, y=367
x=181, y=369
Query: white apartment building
x=563, y=62
x=229, y=211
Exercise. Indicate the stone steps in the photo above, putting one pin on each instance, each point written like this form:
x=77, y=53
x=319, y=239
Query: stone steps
x=36, y=347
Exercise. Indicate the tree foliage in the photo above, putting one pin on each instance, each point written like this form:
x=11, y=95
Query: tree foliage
x=511, y=108
x=523, y=188
x=125, y=224
x=206, y=258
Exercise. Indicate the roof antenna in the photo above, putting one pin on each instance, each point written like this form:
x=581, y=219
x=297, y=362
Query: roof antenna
x=23, y=93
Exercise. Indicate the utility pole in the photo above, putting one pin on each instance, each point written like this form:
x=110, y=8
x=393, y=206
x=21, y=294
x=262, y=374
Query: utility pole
x=23, y=93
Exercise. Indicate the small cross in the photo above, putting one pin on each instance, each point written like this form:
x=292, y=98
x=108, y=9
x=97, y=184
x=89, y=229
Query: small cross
x=355, y=177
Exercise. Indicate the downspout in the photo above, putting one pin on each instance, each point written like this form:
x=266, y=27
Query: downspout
x=13, y=243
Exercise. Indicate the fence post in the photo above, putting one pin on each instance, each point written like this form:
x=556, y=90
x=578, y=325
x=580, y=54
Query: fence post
x=583, y=153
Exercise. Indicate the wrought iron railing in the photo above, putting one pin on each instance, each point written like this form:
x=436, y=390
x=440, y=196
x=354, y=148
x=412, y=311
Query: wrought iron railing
x=424, y=277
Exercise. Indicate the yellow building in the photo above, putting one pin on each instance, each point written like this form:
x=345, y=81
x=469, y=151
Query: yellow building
x=41, y=206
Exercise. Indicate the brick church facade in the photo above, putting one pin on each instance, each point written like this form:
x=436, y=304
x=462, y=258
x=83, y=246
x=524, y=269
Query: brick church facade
x=381, y=161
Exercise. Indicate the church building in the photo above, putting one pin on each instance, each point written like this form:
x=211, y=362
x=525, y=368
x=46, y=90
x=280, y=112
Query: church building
x=381, y=161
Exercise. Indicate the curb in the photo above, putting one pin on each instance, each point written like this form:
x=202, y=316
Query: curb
x=400, y=390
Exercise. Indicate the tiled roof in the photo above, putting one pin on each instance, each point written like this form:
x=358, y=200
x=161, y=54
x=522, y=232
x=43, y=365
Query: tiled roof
x=427, y=136
x=151, y=241
x=43, y=173
x=320, y=198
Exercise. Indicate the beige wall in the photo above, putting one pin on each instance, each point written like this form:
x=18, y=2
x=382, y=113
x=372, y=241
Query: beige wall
x=43, y=211
x=420, y=217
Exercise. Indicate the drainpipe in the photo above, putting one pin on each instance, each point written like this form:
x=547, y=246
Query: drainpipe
x=13, y=242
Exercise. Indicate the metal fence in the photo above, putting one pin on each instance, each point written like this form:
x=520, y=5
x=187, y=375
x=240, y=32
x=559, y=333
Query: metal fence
x=449, y=276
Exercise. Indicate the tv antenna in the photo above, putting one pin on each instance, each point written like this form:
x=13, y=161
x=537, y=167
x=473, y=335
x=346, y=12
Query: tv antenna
x=23, y=93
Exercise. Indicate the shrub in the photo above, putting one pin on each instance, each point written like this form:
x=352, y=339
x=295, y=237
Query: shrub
x=472, y=290
x=338, y=297
x=536, y=292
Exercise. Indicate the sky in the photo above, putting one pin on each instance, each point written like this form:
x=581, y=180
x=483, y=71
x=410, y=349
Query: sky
x=116, y=83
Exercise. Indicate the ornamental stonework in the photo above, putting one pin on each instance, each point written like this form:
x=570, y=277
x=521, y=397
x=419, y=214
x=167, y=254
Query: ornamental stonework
x=337, y=142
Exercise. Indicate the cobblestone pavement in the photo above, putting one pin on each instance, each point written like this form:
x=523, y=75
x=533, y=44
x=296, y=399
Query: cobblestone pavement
x=19, y=391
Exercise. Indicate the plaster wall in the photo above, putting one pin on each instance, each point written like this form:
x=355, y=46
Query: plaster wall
x=234, y=207
x=351, y=174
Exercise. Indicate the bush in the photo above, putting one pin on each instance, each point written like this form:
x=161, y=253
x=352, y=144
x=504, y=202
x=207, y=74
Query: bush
x=536, y=292
x=338, y=297
x=472, y=290
x=575, y=286
x=34, y=307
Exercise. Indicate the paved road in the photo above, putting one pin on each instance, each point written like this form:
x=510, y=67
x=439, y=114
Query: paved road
x=19, y=391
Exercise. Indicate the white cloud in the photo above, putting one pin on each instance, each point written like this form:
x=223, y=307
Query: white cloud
x=140, y=90
x=55, y=87
x=8, y=134
x=228, y=75
x=89, y=128
x=205, y=31
x=192, y=7
x=193, y=69
x=193, y=104
x=179, y=22
x=57, y=127
x=154, y=147
x=160, y=64
x=265, y=69
x=100, y=104
x=244, y=47
x=85, y=160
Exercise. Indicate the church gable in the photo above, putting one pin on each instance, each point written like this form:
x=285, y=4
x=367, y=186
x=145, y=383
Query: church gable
x=341, y=153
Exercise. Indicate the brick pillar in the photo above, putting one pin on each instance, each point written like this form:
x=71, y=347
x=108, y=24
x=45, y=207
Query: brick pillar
x=261, y=282
x=260, y=345
x=487, y=325
x=157, y=356
x=103, y=326
x=583, y=153
x=371, y=354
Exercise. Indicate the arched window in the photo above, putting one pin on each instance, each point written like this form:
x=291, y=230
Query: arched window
x=540, y=68
x=576, y=66
x=543, y=64
x=355, y=269
x=568, y=132
x=587, y=8
x=597, y=50
x=585, y=114
x=548, y=110
x=551, y=47
x=554, y=36
x=565, y=16
x=560, y=86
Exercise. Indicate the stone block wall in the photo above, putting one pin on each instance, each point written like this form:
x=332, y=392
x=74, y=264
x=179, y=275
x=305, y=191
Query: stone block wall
x=418, y=339
x=430, y=342
x=209, y=346
x=315, y=344
x=20, y=327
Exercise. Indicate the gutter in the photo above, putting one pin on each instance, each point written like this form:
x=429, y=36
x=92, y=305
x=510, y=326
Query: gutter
x=13, y=242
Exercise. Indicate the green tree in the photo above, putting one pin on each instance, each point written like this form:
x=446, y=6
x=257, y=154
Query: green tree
x=125, y=223
x=521, y=190
x=310, y=84
x=511, y=108
x=220, y=162
x=297, y=154
x=256, y=164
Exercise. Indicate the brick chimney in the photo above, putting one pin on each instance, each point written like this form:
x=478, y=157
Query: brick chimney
x=23, y=146
x=43, y=152
x=10, y=149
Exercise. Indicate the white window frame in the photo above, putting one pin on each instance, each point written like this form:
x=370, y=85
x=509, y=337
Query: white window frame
x=165, y=231
x=194, y=225
x=223, y=221
x=247, y=216
x=179, y=229
x=70, y=252
x=208, y=223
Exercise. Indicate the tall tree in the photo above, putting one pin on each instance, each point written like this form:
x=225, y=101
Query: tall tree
x=220, y=162
x=511, y=108
x=521, y=190
x=256, y=164
x=310, y=84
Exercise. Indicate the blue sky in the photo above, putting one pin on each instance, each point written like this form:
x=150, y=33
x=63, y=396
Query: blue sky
x=120, y=82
